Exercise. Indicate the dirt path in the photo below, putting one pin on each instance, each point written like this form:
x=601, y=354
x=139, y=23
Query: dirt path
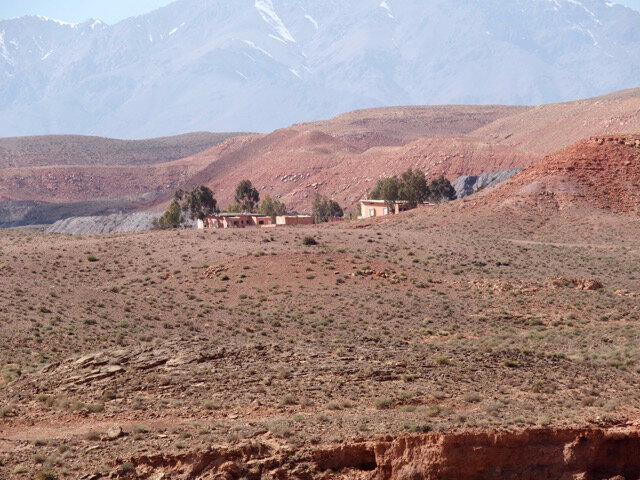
x=562, y=245
x=67, y=429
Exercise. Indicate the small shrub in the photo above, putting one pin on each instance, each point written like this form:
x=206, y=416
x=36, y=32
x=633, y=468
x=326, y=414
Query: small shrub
x=382, y=403
x=6, y=412
x=309, y=241
x=19, y=469
x=126, y=468
x=472, y=398
x=443, y=360
x=47, y=475
x=92, y=258
x=140, y=429
x=211, y=405
x=289, y=400
x=424, y=428
x=280, y=429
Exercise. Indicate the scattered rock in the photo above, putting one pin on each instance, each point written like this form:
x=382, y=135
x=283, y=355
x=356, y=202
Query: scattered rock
x=114, y=433
x=91, y=476
x=589, y=284
x=386, y=274
x=627, y=293
x=213, y=272
x=580, y=284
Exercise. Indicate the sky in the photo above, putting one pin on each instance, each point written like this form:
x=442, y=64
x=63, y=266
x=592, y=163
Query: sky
x=109, y=11
x=76, y=11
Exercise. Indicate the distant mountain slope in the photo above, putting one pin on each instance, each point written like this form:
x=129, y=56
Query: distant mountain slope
x=256, y=65
x=548, y=128
x=77, y=150
x=293, y=164
x=395, y=126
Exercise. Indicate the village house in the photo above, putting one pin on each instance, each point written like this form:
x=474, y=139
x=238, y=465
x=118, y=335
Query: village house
x=381, y=208
x=246, y=220
x=293, y=220
x=235, y=220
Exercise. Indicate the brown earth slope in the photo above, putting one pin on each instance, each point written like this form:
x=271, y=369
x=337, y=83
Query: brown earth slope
x=602, y=172
x=73, y=183
x=395, y=126
x=341, y=157
x=294, y=165
x=548, y=128
x=78, y=150
x=452, y=141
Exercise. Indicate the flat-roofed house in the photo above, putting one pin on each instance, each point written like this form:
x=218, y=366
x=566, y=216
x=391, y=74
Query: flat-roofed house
x=382, y=208
x=235, y=220
x=293, y=220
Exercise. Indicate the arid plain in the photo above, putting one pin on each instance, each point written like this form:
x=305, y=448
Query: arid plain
x=505, y=324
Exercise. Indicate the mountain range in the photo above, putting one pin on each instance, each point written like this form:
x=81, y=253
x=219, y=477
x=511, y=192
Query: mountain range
x=257, y=65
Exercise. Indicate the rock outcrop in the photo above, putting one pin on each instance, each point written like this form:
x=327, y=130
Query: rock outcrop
x=130, y=222
x=469, y=184
x=601, y=172
x=550, y=454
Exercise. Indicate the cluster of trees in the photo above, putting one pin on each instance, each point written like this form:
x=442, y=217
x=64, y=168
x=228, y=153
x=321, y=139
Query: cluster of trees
x=324, y=209
x=246, y=198
x=412, y=187
x=196, y=205
x=200, y=203
x=272, y=207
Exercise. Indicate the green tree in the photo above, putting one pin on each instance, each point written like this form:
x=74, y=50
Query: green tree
x=335, y=210
x=387, y=189
x=172, y=218
x=199, y=203
x=247, y=196
x=196, y=205
x=234, y=208
x=272, y=207
x=441, y=190
x=413, y=187
x=324, y=209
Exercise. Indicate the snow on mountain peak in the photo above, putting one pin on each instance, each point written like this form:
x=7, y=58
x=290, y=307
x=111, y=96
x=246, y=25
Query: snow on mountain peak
x=385, y=6
x=313, y=21
x=274, y=62
x=269, y=15
x=96, y=23
x=4, y=53
x=55, y=20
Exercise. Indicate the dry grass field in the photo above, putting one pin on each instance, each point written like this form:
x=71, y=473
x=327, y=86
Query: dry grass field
x=128, y=356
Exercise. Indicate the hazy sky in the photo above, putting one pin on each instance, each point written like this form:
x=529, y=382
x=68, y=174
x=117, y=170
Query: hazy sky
x=75, y=11
x=110, y=11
